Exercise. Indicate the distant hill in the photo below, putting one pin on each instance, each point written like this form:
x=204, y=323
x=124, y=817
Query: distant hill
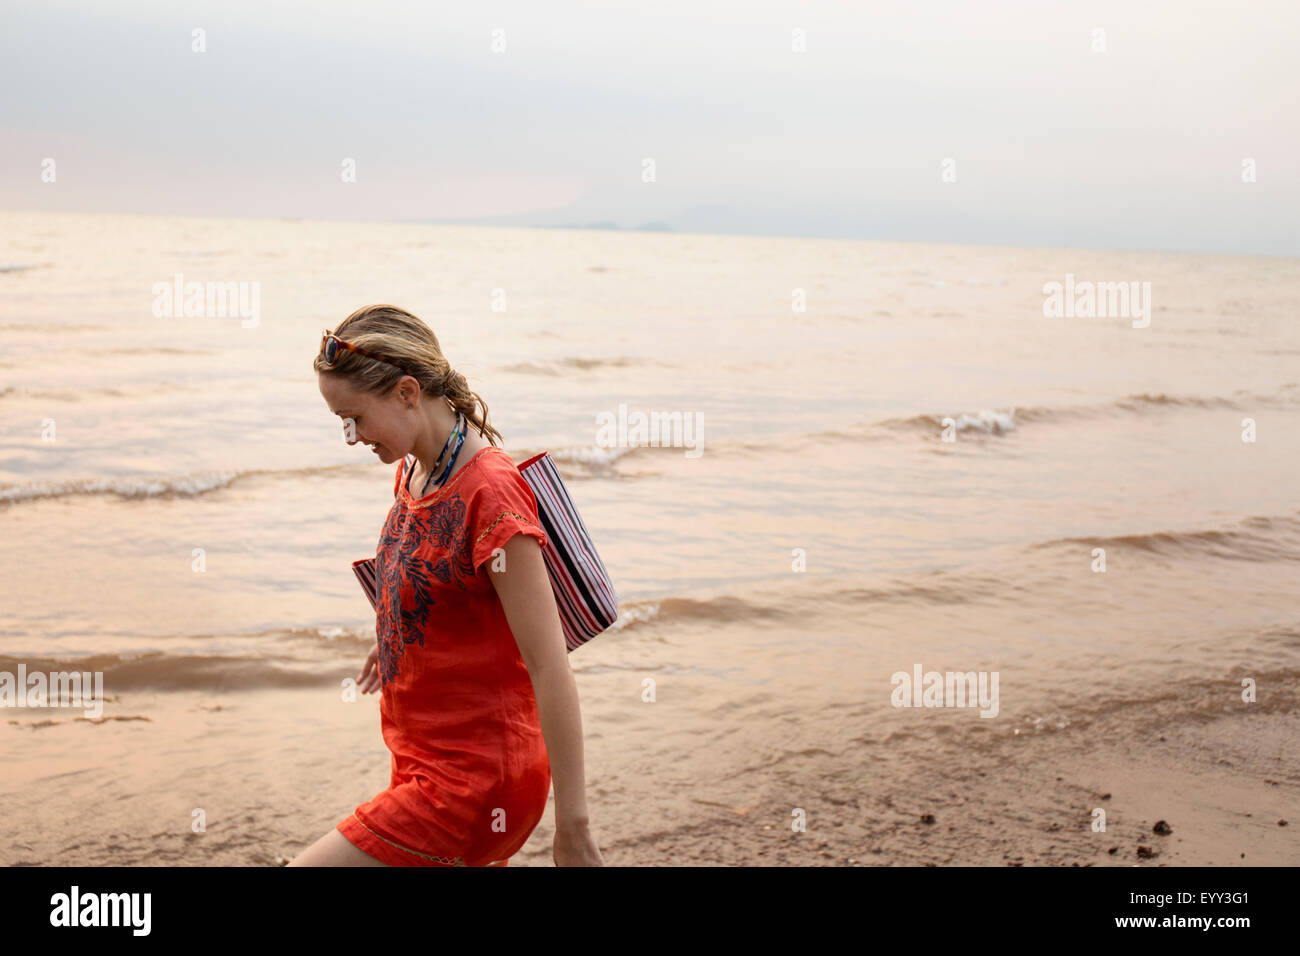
x=647, y=227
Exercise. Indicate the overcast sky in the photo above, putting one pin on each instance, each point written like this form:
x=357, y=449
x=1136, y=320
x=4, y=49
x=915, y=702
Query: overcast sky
x=1137, y=147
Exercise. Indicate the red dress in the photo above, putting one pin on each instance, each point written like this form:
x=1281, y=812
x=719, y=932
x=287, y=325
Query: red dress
x=470, y=774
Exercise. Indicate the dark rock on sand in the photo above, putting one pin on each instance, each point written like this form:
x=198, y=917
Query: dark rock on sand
x=1162, y=828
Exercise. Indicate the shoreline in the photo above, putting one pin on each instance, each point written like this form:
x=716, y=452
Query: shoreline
x=1030, y=807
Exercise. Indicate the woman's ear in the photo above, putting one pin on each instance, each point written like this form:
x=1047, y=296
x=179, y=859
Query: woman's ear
x=407, y=390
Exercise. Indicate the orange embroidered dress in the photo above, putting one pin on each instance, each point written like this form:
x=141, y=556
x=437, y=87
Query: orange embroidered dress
x=470, y=774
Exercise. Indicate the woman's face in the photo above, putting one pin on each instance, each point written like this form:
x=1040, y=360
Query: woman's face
x=377, y=419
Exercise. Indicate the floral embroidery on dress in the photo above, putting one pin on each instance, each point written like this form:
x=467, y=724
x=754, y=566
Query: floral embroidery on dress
x=448, y=527
x=440, y=526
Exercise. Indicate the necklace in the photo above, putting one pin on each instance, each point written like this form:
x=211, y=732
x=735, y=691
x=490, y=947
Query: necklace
x=457, y=433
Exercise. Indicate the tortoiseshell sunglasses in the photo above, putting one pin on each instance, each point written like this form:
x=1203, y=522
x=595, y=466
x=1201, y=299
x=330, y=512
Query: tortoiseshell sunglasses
x=330, y=344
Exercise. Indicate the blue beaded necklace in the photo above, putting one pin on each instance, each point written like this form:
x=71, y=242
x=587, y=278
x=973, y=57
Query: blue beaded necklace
x=457, y=433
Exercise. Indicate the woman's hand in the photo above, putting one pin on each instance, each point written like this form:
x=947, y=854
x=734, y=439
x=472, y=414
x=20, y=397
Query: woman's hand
x=575, y=846
x=368, y=679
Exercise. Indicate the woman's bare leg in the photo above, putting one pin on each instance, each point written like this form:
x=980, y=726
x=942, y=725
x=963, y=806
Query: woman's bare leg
x=334, y=849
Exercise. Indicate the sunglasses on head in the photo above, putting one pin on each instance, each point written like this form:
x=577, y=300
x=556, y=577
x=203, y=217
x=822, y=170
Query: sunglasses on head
x=330, y=344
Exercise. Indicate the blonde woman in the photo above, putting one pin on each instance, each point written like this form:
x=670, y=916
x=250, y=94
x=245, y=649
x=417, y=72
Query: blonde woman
x=478, y=705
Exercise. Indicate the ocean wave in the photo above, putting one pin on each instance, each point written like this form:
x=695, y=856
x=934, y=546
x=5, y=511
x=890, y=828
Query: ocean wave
x=562, y=366
x=143, y=487
x=1256, y=538
x=145, y=350
x=184, y=672
x=636, y=615
x=975, y=283
x=999, y=422
x=784, y=602
x=630, y=614
x=590, y=456
x=156, y=486
x=96, y=352
x=986, y=420
x=340, y=636
x=149, y=390
x=50, y=327
x=576, y=463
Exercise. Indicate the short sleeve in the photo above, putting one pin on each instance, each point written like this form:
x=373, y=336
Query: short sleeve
x=503, y=507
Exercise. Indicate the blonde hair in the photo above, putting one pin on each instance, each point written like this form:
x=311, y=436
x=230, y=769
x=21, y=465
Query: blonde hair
x=398, y=335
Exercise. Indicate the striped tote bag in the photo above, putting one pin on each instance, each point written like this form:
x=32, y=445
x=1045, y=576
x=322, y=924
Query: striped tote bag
x=583, y=592
x=584, y=595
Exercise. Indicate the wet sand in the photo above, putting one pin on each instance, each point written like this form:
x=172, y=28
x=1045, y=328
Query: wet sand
x=1222, y=799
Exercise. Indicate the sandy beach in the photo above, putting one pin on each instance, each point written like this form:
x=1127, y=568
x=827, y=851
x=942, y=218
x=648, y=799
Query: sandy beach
x=1033, y=808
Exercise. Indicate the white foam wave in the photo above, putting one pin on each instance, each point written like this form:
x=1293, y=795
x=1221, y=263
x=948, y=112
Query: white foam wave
x=591, y=455
x=634, y=614
x=987, y=420
x=123, y=487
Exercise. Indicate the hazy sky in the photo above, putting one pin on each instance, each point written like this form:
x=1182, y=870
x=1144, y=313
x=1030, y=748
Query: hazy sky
x=1137, y=147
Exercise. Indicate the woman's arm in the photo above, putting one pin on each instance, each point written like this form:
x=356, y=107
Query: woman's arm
x=525, y=591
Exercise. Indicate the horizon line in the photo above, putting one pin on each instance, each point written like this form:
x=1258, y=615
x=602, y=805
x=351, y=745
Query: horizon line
x=671, y=231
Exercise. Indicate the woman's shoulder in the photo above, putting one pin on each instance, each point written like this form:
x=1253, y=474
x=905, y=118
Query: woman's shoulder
x=495, y=466
x=494, y=456
x=497, y=475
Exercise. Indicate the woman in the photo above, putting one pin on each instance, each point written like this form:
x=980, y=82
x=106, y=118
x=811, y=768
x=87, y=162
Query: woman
x=478, y=704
